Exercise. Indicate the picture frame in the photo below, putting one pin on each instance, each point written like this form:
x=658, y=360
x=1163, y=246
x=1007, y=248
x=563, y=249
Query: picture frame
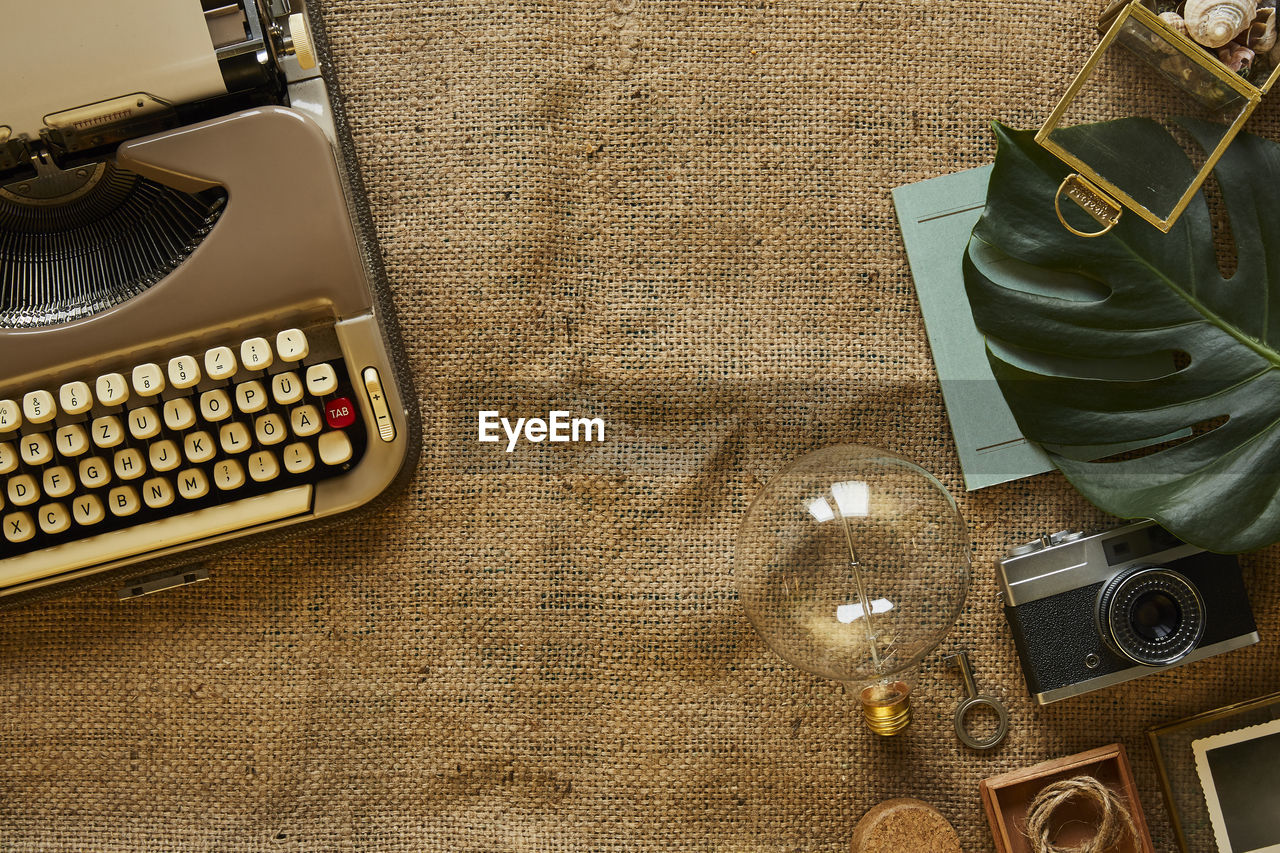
x=1239, y=772
x=1173, y=747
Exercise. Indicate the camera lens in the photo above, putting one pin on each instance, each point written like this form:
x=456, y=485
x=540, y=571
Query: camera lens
x=1151, y=615
x=1155, y=616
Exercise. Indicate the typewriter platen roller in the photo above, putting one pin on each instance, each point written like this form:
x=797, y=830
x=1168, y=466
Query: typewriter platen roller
x=195, y=341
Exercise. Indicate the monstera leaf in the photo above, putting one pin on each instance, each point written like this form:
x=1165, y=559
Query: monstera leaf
x=1057, y=308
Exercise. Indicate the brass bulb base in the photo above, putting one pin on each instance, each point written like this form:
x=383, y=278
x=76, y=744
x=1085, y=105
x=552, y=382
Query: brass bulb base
x=887, y=707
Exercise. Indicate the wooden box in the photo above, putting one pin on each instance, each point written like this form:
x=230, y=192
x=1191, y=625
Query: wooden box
x=1008, y=796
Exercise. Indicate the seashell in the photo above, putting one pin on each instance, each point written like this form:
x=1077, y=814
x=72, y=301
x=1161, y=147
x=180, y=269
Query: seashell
x=1180, y=69
x=1213, y=23
x=1175, y=22
x=1260, y=36
x=1236, y=57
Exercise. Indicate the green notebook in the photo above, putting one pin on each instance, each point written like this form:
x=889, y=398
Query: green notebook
x=936, y=217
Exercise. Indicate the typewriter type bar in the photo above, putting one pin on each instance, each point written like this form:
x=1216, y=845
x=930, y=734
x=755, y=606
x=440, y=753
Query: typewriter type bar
x=193, y=340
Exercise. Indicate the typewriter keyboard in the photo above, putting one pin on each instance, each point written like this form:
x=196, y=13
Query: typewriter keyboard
x=145, y=456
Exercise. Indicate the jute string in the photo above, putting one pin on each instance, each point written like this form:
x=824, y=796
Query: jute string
x=1116, y=823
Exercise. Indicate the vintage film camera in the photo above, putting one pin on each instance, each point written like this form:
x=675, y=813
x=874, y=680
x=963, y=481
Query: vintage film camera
x=1089, y=612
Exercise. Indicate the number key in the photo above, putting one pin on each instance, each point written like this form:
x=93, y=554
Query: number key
x=39, y=407
x=10, y=416
x=112, y=389
x=75, y=397
x=148, y=379
x=184, y=371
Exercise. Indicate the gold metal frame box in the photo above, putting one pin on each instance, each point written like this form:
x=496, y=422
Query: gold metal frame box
x=1107, y=176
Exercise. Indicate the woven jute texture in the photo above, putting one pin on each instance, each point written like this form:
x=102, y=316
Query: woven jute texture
x=675, y=216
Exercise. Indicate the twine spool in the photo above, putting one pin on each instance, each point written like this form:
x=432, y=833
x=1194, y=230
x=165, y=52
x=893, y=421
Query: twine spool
x=1116, y=824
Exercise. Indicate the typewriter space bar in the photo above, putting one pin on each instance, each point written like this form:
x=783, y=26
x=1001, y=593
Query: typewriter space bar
x=155, y=535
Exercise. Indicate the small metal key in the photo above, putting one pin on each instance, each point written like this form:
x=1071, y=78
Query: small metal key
x=974, y=700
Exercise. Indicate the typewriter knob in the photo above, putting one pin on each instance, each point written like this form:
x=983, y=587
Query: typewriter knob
x=301, y=36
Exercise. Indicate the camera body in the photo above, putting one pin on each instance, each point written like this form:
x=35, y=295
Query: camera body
x=1089, y=612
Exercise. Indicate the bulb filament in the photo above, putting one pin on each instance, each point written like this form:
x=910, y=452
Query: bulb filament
x=863, y=598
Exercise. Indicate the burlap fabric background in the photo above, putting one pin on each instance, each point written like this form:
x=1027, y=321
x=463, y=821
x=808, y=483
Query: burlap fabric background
x=675, y=215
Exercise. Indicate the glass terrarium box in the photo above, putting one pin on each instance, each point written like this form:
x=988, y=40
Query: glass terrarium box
x=1195, y=69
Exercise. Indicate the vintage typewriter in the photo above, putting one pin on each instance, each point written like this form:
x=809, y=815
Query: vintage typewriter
x=196, y=342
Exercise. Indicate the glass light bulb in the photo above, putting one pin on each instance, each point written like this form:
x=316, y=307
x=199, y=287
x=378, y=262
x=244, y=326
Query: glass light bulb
x=853, y=564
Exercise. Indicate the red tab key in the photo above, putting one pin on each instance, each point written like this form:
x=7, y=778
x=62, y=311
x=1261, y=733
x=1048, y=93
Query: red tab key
x=339, y=413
